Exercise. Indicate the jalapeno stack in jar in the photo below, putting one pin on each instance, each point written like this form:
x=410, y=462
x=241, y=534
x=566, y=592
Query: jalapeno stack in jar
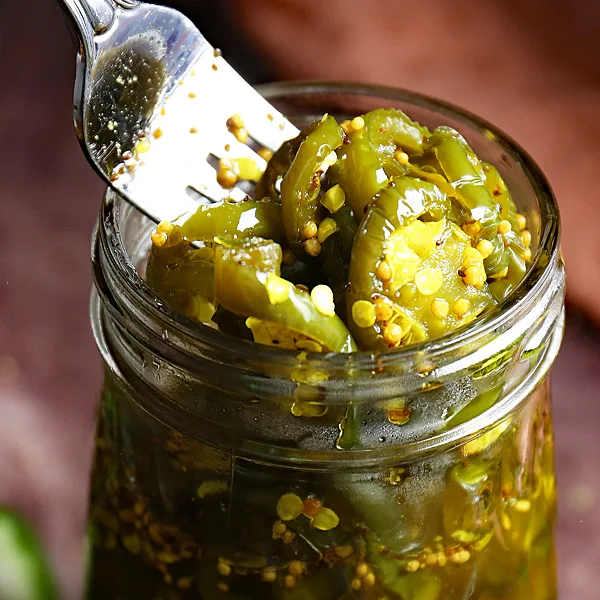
x=362, y=236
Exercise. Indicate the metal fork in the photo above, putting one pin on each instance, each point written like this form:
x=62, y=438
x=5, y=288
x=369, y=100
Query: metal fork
x=154, y=103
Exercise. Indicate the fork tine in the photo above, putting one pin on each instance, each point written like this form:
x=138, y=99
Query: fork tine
x=264, y=123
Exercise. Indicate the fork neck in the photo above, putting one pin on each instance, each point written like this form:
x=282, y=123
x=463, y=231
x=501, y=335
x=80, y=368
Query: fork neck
x=93, y=17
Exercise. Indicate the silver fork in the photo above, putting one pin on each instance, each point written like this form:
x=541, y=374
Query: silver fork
x=154, y=103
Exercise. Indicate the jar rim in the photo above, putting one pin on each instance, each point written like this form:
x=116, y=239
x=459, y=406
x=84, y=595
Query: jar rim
x=532, y=285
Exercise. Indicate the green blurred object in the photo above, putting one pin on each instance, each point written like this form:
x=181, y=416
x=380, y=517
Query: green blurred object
x=24, y=571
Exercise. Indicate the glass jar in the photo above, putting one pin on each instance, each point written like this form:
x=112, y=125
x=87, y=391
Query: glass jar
x=229, y=470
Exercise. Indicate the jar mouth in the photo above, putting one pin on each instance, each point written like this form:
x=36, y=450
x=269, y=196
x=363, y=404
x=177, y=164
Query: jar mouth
x=471, y=336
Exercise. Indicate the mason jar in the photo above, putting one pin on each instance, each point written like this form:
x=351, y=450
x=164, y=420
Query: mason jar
x=230, y=470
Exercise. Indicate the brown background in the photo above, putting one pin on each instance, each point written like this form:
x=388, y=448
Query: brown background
x=532, y=69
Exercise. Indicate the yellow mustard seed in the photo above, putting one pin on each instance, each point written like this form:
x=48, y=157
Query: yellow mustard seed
x=461, y=307
x=288, y=537
x=226, y=178
x=312, y=247
x=461, y=556
x=358, y=123
x=235, y=121
x=527, y=254
x=309, y=230
x=289, y=581
x=485, y=248
x=327, y=227
x=289, y=506
x=526, y=237
x=413, y=566
x=472, y=229
x=296, y=568
x=401, y=157
x=474, y=276
x=334, y=198
x=393, y=334
x=159, y=238
x=165, y=226
x=383, y=310
x=193, y=130
x=278, y=289
x=322, y=298
x=521, y=221
x=440, y=308
x=504, y=227
x=279, y=528
x=383, y=271
x=429, y=281
x=471, y=257
x=505, y=522
x=356, y=584
x=362, y=569
x=325, y=520
x=269, y=574
x=364, y=313
x=223, y=587
x=223, y=568
x=442, y=559
x=158, y=133
x=369, y=579
x=431, y=559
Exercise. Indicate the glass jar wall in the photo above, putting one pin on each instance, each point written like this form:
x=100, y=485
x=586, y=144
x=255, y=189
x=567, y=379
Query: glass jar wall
x=230, y=470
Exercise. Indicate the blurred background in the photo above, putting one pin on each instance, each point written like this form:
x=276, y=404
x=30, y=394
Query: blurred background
x=529, y=66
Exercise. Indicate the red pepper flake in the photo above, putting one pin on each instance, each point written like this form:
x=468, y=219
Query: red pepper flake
x=311, y=507
x=399, y=416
